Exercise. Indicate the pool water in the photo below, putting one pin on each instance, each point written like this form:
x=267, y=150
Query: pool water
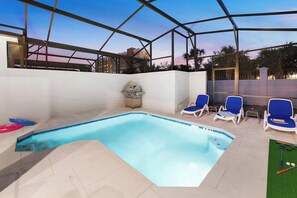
x=168, y=152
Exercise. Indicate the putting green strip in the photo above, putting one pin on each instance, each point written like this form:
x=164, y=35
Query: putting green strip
x=281, y=185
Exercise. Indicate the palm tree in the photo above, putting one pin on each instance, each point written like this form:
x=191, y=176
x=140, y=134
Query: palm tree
x=191, y=55
x=226, y=58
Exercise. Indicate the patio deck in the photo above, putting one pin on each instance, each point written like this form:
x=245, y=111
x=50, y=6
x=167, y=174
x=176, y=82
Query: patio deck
x=89, y=169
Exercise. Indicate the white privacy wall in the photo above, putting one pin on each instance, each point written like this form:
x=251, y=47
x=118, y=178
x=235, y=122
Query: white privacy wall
x=181, y=90
x=197, y=84
x=41, y=94
x=275, y=88
x=23, y=96
x=170, y=91
x=159, y=88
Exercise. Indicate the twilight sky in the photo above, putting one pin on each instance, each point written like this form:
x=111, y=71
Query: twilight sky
x=149, y=24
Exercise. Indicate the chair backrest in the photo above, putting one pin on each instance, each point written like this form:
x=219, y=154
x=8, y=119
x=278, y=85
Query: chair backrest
x=202, y=100
x=234, y=104
x=280, y=108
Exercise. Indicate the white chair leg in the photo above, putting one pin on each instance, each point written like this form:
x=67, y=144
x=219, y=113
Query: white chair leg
x=264, y=123
x=201, y=112
x=238, y=119
x=265, y=120
x=266, y=128
x=234, y=120
x=195, y=115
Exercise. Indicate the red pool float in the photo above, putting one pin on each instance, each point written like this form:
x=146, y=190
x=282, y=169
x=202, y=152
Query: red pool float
x=9, y=127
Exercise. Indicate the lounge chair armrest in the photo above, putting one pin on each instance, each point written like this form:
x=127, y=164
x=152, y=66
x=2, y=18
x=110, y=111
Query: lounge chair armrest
x=265, y=115
x=265, y=120
x=205, y=107
x=221, y=108
x=191, y=104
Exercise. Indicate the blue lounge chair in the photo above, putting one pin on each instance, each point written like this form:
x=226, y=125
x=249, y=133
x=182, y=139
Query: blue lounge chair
x=233, y=110
x=280, y=115
x=200, y=105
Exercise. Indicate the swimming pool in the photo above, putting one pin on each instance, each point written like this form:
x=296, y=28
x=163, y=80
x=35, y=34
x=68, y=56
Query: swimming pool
x=166, y=151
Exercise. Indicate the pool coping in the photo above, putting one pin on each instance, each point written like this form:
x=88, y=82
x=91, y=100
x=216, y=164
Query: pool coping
x=201, y=126
x=225, y=179
x=168, y=118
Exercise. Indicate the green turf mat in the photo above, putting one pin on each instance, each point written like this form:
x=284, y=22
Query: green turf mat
x=281, y=185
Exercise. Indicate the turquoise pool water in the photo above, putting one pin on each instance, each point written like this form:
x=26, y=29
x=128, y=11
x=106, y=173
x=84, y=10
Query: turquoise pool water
x=168, y=152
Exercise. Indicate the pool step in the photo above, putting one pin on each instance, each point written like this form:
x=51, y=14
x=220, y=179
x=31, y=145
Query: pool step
x=40, y=146
x=219, y=143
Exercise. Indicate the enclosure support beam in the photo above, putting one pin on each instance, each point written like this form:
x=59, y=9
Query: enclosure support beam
x=119, y=66
x=269, y=29
x=236, y=34
x=102, y=65
x=213, y=78
x=144, y=47
x=123, y=23
x=180, y=33
x=141, y=49
x=51, y=21
x=205, y=20
x=252, y=50
x=97, y=63
x=148, y=53
x=192, y=42
x=195, y=53
x=224, y=68
x=235, y=29
x=10, y=33
x=73, y=48
x=215, y=31
x=35, y=52
x=236, y=72
x=46, y=55
x=25, y=35
x=157, y=10
x=151, y=55
x=72, y=56
x=49, y=32
x=172, y=50
x=236, y=75
x=224, y=8
x=79, y=18
x=63, y=56
x=187, y=51
x=163, y=57
x=15, y=27
x=265, y=14
x=243, y=15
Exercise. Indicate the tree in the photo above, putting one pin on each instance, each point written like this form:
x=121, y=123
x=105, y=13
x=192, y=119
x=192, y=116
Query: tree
x=270, y=58
x=281, y=62
x=197, y=61
x=288, y=56
x=182, y=67
x=226, y=57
